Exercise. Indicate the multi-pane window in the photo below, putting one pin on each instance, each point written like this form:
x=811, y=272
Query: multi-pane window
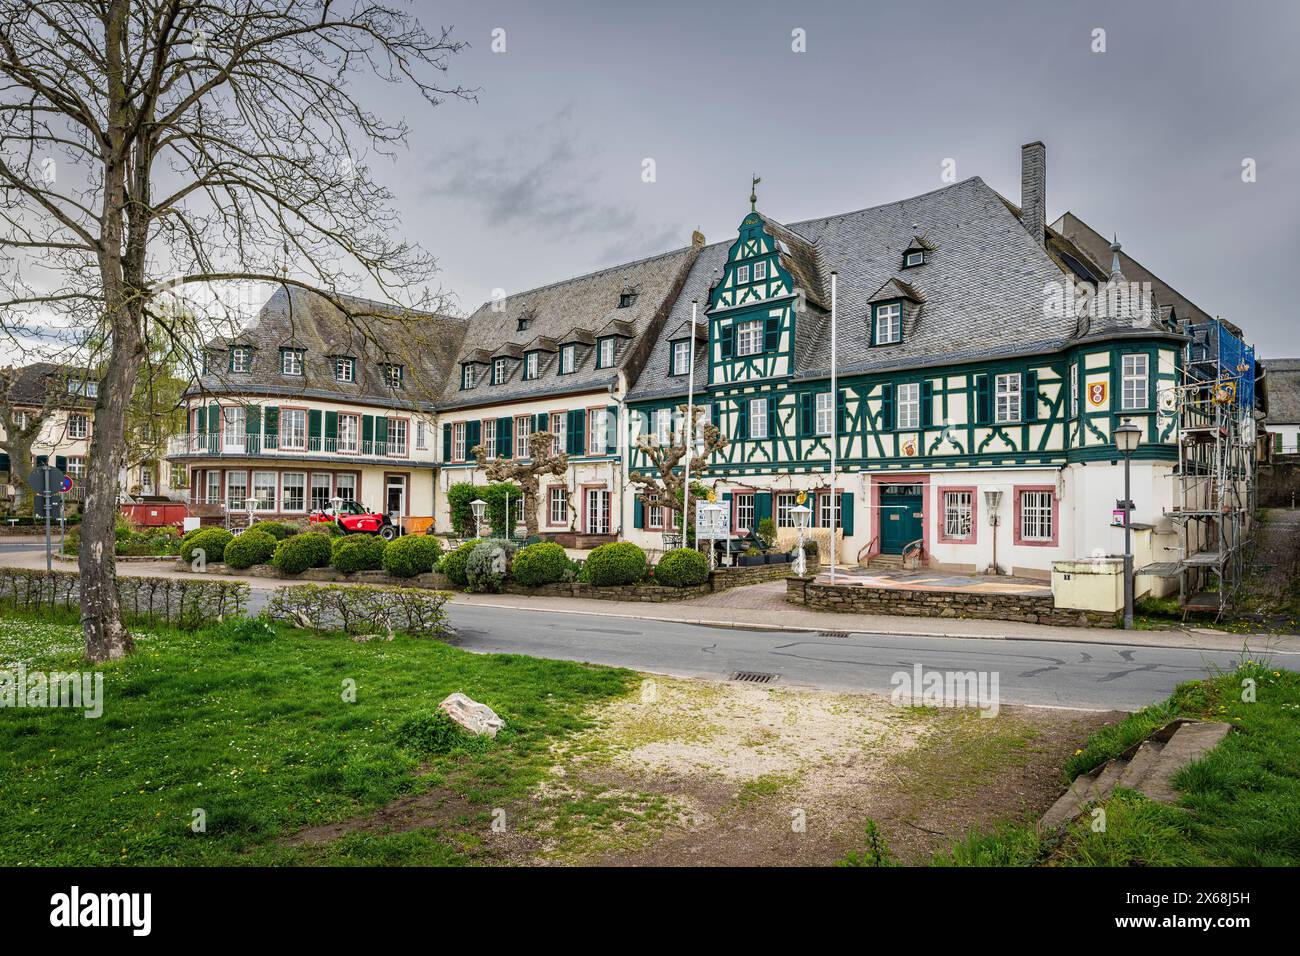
x=825, y=409
x=420, y=440
x=293, y=491
x=345, y=369
x=597, y=422
x=488, y=436
x=758, y=418
x=293, y=428
x=264, y=490
x=241, y=359
x=146, y=479
x=568, y=356
x=237, y=490
x=1036, y=516
x=784, y=514
x=235, y=420
x=76, y=466
x=20, y=420
x=744, y=512
x=663, y=426
x=655, y=516
x=1134, y=395
x=1074, y=390
x=345, y=487
x=605, y=356
x=760, y=271
x=909, y=405
x=1007, y=398
x=78, y=426
x=320, y=491
x=557, y=499
x=349, y=432
x=213, y=479
x=458, y=441
x=392, y=375
x=749, y=337
x=291, y=361
x=499, y=371
x=742, y=274
x=597, y=511
x=177, y=475
x=468, y=375
x=828, y=505
x=681, y=357
x=956, y=514
x=560, y=429
x=523, y=431
x=397, y=437
x=531, y=364
x=889, y=323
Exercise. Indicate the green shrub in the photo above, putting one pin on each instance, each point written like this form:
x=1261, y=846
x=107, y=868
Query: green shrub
x=430, y=733
x=72, y=541
x=620, y=562
x=275, y=529
x=296, y=554
x=211, y=541
x=360, y=552
x=454, y=561
x=488, y=565
x=542, y=563
x=766, y=533
x=251, y=547
x=411, y=555
x=682, y=568
x=461, y=494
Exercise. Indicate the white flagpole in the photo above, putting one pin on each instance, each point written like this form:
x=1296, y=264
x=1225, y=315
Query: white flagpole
x=835, y=422
x=689, y=439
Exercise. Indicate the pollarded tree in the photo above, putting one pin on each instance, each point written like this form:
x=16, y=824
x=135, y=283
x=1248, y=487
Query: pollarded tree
x=666, y=484
x=147, y=146
x=543, y=459
x=29, y=399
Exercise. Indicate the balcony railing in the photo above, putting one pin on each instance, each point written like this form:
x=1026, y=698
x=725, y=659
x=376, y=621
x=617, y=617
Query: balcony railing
x=222, y=445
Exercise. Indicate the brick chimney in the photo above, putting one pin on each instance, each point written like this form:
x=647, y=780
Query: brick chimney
x=1033, y=189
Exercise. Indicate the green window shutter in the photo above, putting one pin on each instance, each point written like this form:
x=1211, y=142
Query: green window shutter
x=381, y=431
x=578, y=430
x=61, y=462
x=771, y=416
x=201, y=421
x=541, y=422
x=253, y=423
x=271, y=420
x=611, y=429
x=331, y=428
x=715, y=414
x=505, y=436
x=762, y=506
x=638, y=512
x=214, y=418
x=1031, y=396
x=473, y=437
x=871, y=322
x=446, y=442
x=807, y=413
x=772, y=333
x=887, y=408
x=983, y=400
x=927, y=404
x=727, y=337
x=841, y=412
x=846, y=512
x=742, y=420
x=313, y=423
x=367, y=428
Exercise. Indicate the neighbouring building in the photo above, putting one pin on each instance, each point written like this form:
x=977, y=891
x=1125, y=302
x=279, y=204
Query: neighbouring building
x=1283, y=376
x=64, y=436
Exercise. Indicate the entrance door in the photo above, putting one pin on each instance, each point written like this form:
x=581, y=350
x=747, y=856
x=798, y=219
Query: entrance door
x=597, y=511
x=395, y=497
x=900, y=517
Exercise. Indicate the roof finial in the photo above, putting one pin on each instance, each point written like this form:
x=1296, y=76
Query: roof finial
x=1115, y=271
x=753, y=193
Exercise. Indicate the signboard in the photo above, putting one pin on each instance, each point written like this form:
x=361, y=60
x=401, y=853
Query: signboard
x=1096, y=394
x=712, y=521
x=46, y=482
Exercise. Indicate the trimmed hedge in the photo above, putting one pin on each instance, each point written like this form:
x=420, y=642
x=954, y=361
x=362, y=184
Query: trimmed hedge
x=360, y=552
x=682, y=568
x=302, y=551
x=275, y=529
x=251, y=547
x=362, y=610
x=453, y=563
x=411, y=555
x=620, y=562
x=488, y=564
x=211, y=541
x=192, y=601
x=543, y=563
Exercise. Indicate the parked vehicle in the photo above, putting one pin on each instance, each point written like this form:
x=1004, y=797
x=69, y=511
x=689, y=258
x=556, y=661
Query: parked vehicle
x=351, y=518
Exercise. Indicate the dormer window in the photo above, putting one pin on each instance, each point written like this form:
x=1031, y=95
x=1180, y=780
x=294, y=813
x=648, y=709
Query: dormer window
x=345, y=369
x=468, y=375
x=84, y=389
x=625, y=299
x=605, y=352
x=913, y=257
x=522, y=324
x=568, y=357
x=742, y=274
x=500, y=371
x=681, y=357
x=291, y=361
x=532, y=362
x=760, y=271
x=392, y=375
x=888, y=324
x=241, y=358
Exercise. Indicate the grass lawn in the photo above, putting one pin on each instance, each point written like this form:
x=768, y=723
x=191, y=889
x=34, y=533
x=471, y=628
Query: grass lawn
x=1240, y=806
x=255, y=732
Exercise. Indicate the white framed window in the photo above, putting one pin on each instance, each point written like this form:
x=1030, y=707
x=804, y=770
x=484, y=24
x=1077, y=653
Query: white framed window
x=345, y=369
x=889, y=323
x=607, y=347
x=825, y=409
x=744, y=512
x=293, y=491
x=523, y=431
x=76, y=466
x=654, y=517
x=488, y=436
x=393, y=375
x=681, y=357
x=557, y=505
x=760, y=271
x=828, y=504
x=421, y=430
x=320, y=490
x=499, y=371
x=241, y=358
x=20, y=420
x=758, y=418
x=531, y=364
x=468, y=375
x=914, y=258
x=234, y=431
x=749, y=337
x=345, y=487
x=1074, y=390
x=293, y=428
x=1036, y=516
x=597, y=421
x=146, y=479
x=597, y=511
x=78, y=426
x=349, y=432
x=1134, y=393
x=784, y=503
x=264, y=490
x=1007, y=398
x=568, y=355
x=237, y=490
x=291, y=361
x=213, y=496
x=560, y=429
x=178, y=477
x=909, y=406
x=663, y=426
x=397, y=437
x=742, y=274
x=458, y=441
x=956, y=514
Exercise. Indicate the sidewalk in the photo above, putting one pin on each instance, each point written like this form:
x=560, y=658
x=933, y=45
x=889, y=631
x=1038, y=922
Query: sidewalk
x=762, y=607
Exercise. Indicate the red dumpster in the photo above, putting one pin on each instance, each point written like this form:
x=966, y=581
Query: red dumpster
x=155, y=514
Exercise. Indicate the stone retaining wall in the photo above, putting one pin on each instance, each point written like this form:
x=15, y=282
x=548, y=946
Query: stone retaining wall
x=1025, y=608
x=719, y=580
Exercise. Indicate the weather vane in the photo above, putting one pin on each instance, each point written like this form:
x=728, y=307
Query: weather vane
x=753, y=193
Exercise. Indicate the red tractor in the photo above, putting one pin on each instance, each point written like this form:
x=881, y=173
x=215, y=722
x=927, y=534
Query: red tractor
x=350, y=518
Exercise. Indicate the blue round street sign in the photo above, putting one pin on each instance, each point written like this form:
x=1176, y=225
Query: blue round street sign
x=66, y=486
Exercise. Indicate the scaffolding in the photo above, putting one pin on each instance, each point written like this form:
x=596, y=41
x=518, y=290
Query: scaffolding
x=1215, y=400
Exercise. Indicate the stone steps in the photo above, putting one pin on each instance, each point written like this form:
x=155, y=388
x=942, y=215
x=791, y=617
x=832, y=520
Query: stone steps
x=885, y=562
x=1148, y=767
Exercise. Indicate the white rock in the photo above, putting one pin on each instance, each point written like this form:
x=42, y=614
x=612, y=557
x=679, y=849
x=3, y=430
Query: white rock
x=475, y=717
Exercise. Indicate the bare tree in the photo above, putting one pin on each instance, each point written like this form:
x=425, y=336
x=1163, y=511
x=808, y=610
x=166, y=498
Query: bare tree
x=542, y=459
x=666, y=485
x=147, y=145
x=29, y=399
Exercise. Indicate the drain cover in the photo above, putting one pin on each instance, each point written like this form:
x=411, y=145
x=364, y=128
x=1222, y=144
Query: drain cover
x=832, y=633
x=753, y=677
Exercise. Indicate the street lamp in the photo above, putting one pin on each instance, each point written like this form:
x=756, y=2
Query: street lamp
x=479, y=507
x=801, y=515
x=993, y=501
x=1127, y=438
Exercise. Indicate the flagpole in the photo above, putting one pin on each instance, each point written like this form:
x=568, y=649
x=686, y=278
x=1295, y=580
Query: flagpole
x=835, y=422
x=688, y=440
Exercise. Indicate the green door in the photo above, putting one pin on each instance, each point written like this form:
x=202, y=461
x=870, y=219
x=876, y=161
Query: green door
x=900, y=517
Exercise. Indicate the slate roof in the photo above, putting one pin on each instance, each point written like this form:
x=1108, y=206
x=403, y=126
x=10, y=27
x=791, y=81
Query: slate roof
x=981, y=288
x=579, y=310
x=422, y=342
x=1283, y=378
x=31, y=384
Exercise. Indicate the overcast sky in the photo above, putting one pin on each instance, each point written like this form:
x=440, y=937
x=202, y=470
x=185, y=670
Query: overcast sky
x=541, y=178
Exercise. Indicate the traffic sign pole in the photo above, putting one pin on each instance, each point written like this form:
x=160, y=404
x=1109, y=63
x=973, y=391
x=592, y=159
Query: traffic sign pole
x=49, y=558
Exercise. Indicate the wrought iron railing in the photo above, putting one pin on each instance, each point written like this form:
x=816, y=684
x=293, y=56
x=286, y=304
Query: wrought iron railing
x=221, y=444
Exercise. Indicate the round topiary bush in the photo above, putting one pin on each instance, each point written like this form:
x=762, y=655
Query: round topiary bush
x=454, y=561
x=411, y=555
x=621, y=562
x=541, y=563
x=360, y=552
x=276, y=530
x=488, y=565
x=302, y=551
x=252, y=547
x=211, y=541
x=682, y=568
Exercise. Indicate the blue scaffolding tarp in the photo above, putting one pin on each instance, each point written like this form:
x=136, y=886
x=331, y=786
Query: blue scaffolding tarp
x=1237, y=364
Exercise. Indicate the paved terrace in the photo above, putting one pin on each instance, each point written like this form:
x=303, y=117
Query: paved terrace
x=926, y=580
